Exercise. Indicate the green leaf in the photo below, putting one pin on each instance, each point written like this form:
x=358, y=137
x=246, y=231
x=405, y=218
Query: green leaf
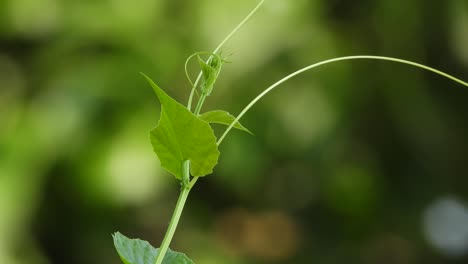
x=222, y=117
x=181, y=136
x=210, y=72
x=136, y=251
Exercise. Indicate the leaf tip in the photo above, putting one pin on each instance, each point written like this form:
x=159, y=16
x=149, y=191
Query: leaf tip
x=146, y=77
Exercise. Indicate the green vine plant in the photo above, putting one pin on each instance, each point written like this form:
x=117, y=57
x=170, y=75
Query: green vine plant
x=187, y=147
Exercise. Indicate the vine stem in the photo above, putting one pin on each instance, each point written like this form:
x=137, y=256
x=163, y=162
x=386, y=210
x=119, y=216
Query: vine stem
x=197, y=112
x=315, y=65
x=185, y=190
x=200, y=104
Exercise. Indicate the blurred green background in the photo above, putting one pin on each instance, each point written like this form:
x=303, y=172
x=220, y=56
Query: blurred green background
x=356, y=162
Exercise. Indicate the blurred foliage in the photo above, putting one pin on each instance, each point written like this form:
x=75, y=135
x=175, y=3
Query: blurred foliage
x=347, y=162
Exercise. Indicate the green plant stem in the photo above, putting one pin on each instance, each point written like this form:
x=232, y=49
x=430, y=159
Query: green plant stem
x=193, y=181
x=185, y=190
x=201, y=101
x=357, y=57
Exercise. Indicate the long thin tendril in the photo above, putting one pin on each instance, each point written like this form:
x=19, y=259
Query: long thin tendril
x=189, y=104
x=315, y=65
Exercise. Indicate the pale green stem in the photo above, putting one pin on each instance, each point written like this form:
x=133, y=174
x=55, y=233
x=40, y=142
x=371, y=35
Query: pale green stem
x=242, y=113
x=201, y=101
x=176, y=215
x=189, y=104
x=197, y=112
x=193, y=181
x=182, y=198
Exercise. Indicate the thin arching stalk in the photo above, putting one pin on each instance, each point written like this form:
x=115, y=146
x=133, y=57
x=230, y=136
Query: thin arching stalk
x=315, y=65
